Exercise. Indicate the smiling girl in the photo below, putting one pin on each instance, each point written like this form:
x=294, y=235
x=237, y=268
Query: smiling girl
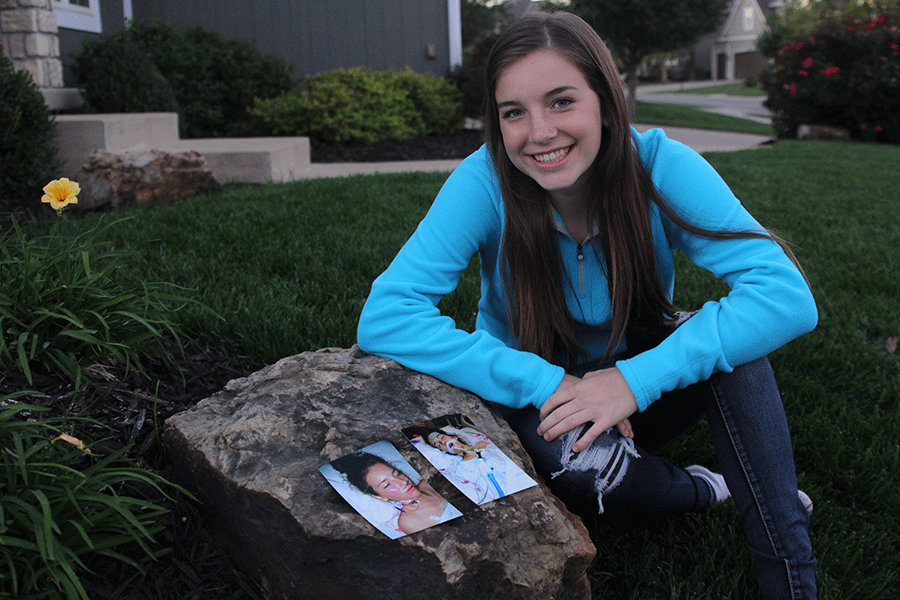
x=575, y=217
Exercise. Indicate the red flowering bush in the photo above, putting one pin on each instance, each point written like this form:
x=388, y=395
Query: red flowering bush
x=847, y=74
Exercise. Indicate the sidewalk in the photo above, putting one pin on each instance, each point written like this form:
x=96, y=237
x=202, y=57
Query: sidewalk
x=744, y=107
x=699, y=140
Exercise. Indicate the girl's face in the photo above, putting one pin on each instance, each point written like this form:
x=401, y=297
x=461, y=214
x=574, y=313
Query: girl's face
x=391, y=484
x=550, y=121
x=448, y=443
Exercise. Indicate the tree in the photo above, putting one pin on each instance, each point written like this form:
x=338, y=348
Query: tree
x=480, y=17
x=634, y=29
x=798, y=19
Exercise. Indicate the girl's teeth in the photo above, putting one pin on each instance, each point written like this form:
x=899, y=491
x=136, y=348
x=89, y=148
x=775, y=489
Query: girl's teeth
x=551, y=156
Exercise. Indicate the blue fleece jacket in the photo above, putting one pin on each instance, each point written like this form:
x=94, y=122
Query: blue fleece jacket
x=769, y=303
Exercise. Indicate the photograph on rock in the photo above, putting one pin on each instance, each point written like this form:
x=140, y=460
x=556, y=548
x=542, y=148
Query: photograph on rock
x=463, y=454
x=384, y=488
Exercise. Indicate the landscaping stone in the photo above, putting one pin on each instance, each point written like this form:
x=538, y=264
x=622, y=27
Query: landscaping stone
x=822, y=132
x=142, y=177
x=252, y=451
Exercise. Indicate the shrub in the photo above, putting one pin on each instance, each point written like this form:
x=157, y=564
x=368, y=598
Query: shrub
x=847, y=74
x=66, y=306
x=214, y=79
x=62, y=500
x=360, y=106
x=28, y=151
x=121, y=78
x=469, y=78
x=436, y=101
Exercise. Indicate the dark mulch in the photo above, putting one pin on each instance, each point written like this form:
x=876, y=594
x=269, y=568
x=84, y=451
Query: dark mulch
x=458, y=145
x=188, y=563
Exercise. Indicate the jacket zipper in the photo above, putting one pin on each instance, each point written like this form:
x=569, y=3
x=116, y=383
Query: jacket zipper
x=580, y=257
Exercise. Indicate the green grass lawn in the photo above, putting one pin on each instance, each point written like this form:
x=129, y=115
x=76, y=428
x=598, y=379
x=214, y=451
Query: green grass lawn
x=680, y=115
x=288, y=267
x=729, y=89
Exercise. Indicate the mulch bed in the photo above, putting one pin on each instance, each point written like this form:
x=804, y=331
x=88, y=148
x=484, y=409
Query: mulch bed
x=457, y=145
x=188, y=563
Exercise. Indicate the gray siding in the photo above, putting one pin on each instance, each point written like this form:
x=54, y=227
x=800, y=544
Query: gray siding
x=112, y=19
x=322, y=35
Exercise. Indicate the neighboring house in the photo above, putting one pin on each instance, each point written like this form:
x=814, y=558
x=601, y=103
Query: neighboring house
x=731, y=52
x=313, y=35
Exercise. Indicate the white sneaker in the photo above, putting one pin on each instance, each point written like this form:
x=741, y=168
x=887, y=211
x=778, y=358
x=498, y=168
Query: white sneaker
x=715, y=481
x=720, y=491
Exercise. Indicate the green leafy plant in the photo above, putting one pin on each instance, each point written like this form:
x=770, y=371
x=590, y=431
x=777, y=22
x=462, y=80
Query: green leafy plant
x=469, y=78
x=28, y=151
x=361, y=106
x=847, y=74
x=120, y=77
x=66, y=306
x=62, y=499
x=437, y=102
x=348, y=106
x=214, y=79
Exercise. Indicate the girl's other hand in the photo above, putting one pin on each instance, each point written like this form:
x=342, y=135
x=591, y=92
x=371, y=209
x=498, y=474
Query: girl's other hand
x=624, y=427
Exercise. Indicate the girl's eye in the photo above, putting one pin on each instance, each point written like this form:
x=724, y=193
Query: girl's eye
x=511, y=113
x=562, y=103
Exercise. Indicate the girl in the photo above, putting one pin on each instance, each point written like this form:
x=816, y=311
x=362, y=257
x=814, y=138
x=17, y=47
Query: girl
x=575, y=217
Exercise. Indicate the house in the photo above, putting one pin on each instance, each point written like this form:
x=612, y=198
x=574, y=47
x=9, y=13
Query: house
x=313, y=35
x=730, y=53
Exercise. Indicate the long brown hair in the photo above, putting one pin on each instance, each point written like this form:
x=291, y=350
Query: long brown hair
x=621, y=195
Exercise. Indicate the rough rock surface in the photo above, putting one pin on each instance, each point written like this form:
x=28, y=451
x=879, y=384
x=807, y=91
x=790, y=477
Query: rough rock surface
x=142, y=177
x=252, y=452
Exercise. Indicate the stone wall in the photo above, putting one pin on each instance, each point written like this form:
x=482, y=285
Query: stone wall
x=28, y=32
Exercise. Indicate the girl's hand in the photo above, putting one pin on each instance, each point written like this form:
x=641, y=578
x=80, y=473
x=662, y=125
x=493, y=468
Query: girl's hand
x=624, y=426
x=602, y=398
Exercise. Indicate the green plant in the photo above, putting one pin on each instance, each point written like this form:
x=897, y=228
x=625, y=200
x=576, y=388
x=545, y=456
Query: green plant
x=361, y=106
x=27, y=135
x=348, y=106
x=469, y=78
x=800, y=19
x=121, y=78
x=437, y=102
x=62, y=499
x=847, y=74
x=214, y=79
x=66, y=305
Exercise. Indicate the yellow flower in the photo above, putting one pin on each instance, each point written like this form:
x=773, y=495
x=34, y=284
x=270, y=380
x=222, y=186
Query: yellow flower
x=60, y=193
x=72, y=440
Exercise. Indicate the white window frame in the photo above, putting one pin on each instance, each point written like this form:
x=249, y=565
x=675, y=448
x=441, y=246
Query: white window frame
x=80, y=18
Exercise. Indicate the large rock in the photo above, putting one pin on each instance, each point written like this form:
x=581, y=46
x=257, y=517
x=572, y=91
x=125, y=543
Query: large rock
x=252, y=452
x=142, y=177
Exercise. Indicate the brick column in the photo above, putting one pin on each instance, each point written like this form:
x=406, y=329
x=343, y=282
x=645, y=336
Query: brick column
x=28, y=32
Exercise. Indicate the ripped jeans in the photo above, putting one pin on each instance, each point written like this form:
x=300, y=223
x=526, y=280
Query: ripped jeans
x=752, y=442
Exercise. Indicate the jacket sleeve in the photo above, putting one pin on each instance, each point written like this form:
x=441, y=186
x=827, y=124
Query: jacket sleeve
x=401, y=320
x=769, y=302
